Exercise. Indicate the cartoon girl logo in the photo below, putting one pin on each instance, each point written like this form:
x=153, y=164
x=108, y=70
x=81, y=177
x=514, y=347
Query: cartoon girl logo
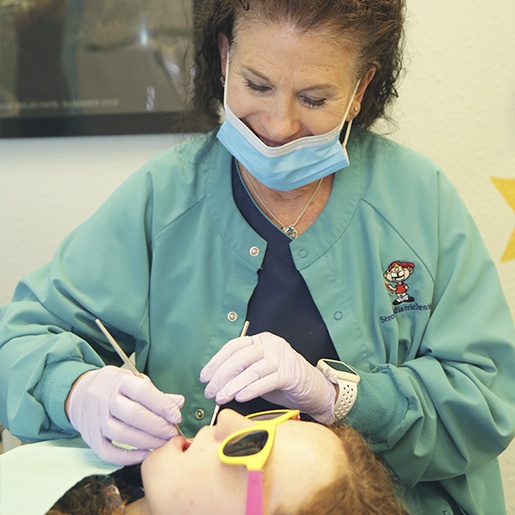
x=397, y=273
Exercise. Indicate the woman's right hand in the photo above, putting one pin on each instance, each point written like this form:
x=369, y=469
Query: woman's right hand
x=112, y=406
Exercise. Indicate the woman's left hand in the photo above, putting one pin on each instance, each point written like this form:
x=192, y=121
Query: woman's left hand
x=265, y=365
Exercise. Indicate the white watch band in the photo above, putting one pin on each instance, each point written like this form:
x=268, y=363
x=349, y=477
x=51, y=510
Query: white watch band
x=347, y=380
x=346, y=398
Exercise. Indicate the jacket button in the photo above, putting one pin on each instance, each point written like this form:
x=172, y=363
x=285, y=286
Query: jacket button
x=199, y=414
x=232, y=316
x=254, y=251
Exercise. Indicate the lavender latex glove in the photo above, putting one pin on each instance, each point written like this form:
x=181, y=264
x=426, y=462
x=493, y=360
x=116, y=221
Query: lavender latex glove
x=111, y=404
x=265, y=365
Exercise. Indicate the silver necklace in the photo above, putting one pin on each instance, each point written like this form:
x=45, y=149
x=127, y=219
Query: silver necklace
x=287, y=229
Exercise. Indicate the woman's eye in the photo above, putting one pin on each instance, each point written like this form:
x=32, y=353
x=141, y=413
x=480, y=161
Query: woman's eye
x=307, y=101
x=310, y=102
x=256, y=87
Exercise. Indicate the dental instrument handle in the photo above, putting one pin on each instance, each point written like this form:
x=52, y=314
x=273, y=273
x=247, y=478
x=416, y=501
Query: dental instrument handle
x=217, y=407
x=118, y=349
x=125, y=358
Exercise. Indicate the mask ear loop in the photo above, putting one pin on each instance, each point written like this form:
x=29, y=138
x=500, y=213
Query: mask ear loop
x=227, y=110
x=349, y=123
x=226, y=79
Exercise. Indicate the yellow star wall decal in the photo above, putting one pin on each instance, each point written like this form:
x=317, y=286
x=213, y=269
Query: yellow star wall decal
x=507, y=189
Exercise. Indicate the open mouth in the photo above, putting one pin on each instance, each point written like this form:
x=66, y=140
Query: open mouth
x=181, y=443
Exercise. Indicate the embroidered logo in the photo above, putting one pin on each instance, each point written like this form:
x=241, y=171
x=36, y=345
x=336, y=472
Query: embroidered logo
x=397, y=273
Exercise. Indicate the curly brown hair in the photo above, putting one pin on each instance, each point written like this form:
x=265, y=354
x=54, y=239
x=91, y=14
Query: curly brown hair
x=96, y=494
x=365, y=487
x=373, y=27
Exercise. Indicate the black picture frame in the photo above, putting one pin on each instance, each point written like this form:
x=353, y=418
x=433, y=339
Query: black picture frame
x=96, y=67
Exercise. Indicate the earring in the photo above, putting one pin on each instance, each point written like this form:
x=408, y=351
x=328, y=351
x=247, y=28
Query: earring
x=222, y=81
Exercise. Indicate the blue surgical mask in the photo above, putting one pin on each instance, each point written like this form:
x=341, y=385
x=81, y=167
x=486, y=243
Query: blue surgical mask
x=291, y=165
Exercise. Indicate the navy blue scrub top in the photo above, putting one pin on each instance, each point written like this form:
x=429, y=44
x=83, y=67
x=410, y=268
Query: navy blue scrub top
x=281, y=303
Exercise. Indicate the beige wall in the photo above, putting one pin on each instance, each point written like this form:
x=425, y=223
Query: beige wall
x=457, y=105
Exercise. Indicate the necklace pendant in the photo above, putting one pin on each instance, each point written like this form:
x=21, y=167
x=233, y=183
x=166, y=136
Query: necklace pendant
x=290, y=231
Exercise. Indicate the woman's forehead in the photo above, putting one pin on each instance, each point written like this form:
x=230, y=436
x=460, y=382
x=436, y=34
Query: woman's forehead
x=245, y=22
x=269, y=49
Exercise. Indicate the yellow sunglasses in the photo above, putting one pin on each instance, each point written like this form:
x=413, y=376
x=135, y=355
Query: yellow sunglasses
x=251, y=447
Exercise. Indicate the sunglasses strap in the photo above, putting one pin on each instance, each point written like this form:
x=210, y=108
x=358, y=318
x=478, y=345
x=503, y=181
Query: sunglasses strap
x=254, y=493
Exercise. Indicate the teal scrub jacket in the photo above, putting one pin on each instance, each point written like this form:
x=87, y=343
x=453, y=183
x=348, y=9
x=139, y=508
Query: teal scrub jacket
x=170, y=263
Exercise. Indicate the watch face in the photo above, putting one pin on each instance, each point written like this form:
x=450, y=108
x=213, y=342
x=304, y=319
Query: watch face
x=339, y=366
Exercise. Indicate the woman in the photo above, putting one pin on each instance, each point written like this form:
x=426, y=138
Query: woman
x=311, y=469
x=369, y=292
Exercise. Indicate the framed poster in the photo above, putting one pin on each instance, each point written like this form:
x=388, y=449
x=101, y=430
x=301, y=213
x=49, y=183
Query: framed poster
x=95, y=67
